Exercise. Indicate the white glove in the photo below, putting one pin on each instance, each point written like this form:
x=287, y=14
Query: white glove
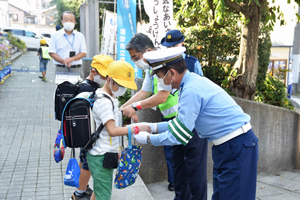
x=141, y=137
x=153, y=126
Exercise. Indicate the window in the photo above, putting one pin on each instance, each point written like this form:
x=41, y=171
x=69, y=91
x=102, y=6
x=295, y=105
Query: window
x=29, y=34
x=278, y=68
x=15, y=31
x=14, y=17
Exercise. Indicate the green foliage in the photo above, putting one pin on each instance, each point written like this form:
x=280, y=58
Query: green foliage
x=68, y=5
x=273, y=92
x=16, y=42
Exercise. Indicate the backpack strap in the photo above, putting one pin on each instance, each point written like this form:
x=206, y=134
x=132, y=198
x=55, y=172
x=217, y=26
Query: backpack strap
x=99, y=129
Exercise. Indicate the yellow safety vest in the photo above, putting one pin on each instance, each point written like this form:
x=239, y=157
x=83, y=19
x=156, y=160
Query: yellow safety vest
x=45, y=54
x=168, y=109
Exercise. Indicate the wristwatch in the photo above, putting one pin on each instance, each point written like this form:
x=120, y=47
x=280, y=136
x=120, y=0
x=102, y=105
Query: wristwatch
x=148, y=139
x=134, y=106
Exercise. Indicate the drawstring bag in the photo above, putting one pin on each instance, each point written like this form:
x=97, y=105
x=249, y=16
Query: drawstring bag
x=73, y=172
x=129, y=165
x=59, y=149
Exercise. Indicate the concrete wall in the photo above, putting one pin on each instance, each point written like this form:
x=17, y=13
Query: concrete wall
x=276, y=128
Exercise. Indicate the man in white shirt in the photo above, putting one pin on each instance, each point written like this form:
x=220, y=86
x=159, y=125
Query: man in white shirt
x=67, y=47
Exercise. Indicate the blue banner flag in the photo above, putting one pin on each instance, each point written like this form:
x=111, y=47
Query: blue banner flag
x=126, y=10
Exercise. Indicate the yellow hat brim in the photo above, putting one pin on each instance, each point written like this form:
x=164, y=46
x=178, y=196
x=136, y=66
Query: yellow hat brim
x=127, y=84
x=103, y=72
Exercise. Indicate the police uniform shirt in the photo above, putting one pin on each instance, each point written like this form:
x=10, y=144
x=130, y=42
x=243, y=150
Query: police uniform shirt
x=206, y=107
x=197, y=66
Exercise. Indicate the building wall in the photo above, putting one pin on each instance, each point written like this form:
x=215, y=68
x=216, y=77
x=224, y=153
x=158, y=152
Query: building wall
x=4, y=17
x=21, y=16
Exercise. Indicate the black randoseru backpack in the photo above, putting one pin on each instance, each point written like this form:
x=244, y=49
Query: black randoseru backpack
x=78, y=121
x=63, y=93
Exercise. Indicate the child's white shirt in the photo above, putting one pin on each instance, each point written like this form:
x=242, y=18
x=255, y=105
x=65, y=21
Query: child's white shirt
x=103, y=112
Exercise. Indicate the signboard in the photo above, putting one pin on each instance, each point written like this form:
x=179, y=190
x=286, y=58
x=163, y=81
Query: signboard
x=126, y=10
x=160, y=14
x=108, y=34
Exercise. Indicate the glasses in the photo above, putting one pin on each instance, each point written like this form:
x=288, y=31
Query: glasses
x=137, y=58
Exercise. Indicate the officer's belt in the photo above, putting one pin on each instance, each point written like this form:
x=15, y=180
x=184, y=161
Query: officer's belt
x=233, y=134
x=72, y=66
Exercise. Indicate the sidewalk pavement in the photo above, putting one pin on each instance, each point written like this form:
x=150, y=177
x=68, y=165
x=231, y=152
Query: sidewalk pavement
x=27, y=133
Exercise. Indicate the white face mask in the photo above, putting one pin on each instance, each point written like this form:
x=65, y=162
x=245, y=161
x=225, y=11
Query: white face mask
x=120, y=92
x=141, y=64
x=98, y=80
x=160, y=82
x=69, y=26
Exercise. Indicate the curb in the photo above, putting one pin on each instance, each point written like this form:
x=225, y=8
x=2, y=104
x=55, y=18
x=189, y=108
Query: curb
x=12, y=59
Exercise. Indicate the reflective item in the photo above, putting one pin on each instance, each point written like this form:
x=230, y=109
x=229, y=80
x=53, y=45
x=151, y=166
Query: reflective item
x=69, y=26
x=160, y=82
x=142, y=64
x=98, y=80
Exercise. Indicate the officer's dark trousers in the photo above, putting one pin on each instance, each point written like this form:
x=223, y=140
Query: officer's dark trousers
x=168, y=155
x=189, y=166
x=235, y=168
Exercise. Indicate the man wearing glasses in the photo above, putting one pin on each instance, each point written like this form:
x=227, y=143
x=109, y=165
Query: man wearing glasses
x=167, y=102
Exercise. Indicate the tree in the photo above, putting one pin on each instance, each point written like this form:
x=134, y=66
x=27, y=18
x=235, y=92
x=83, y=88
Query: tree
x=70, y=5
x=248, y=13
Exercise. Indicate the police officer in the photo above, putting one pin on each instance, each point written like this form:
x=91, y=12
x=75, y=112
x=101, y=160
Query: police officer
x=167, y=103
x=207, y=108
x=190, y=161
x=174, y=38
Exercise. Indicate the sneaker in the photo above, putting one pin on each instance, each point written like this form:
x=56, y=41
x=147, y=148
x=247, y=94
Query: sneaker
x=44, y=79
x=83, y=196
x=41, y=77
x=88, y=191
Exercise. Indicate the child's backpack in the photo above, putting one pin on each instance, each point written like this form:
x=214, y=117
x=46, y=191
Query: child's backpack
x=64, y=92
x=78, y=122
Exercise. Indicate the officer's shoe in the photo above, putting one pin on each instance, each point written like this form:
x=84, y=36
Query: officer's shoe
x=171, y=187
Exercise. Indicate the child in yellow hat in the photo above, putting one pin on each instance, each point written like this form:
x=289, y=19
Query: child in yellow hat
x=44, y=58
x=120, y=76
x=93, y=81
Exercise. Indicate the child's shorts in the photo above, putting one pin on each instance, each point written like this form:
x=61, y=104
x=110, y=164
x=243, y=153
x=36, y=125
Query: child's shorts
x=43, y=65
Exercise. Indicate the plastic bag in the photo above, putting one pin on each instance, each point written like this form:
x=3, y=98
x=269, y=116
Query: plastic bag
x=129, y=165
x=72, y=173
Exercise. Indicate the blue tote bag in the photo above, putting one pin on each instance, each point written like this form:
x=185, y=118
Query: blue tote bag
x=129, y=165
x=73, y=172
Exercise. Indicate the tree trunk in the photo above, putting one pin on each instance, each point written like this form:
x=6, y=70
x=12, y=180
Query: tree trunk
x=244, y=83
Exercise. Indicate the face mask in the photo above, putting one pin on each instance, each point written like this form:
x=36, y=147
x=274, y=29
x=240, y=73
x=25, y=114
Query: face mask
x=98, y=80
x=69, y=26
x=160, y=82
x=141, y=64
x=120, y=92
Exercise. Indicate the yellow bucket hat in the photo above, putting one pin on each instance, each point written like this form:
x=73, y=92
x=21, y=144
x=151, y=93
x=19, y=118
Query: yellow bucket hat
x=122, y=73
x=43, y=41
x=100, y=63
